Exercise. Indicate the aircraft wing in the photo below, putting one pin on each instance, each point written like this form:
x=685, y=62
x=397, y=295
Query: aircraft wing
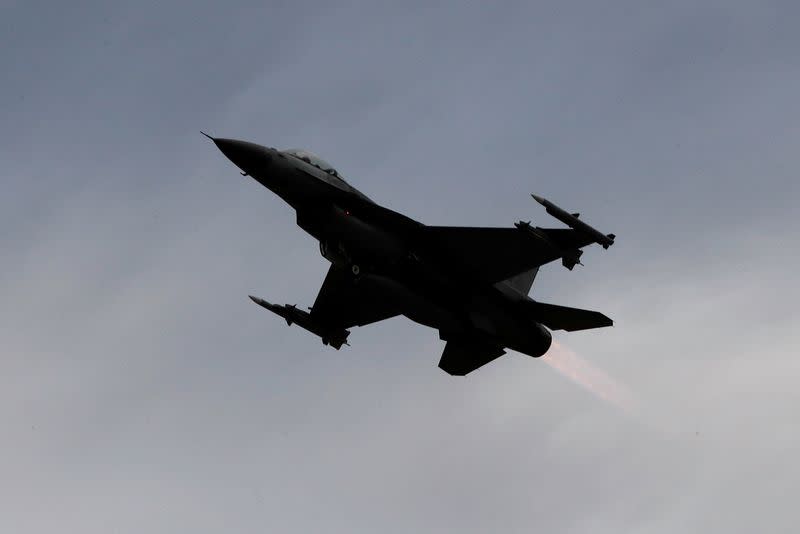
x=496, y=254
x=462, y=356
x=342, y=303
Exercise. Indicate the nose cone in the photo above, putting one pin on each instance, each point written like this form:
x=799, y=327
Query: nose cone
x=249, y=157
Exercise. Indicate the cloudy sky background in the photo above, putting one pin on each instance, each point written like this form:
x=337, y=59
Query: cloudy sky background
x=141, y=391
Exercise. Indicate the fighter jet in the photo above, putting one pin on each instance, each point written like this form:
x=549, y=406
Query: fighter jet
x=469, y=283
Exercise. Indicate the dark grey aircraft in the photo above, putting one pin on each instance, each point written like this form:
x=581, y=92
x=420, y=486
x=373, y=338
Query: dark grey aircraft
x=469, y=283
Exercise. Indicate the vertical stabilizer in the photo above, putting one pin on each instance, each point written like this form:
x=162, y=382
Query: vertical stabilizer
x=523, y=281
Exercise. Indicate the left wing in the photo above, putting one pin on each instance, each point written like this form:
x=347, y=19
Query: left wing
x=342, y=303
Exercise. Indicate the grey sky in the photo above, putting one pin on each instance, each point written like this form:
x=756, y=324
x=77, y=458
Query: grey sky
x=141, y=391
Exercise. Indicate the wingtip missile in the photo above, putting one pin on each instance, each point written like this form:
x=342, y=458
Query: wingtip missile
x=263, y=303
x=572, y=220
x=335, y=337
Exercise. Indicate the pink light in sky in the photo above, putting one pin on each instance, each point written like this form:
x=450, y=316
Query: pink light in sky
x=588, y=376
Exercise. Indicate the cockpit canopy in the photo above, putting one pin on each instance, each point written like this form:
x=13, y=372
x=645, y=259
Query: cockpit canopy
x=314, y=160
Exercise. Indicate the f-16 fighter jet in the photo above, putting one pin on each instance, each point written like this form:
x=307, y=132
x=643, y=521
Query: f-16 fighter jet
x=469, y=283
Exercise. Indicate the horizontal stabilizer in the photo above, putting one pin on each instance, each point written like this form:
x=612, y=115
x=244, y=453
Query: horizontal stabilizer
x=563, y=318
x=462, y=356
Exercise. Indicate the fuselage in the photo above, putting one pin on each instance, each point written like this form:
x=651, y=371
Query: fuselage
x=383, y=250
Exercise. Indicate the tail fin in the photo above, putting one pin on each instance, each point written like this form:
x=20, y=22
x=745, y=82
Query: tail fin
x=523, y=281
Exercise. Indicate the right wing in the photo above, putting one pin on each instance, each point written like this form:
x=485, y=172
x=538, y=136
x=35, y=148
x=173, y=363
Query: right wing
x=342, y=303
x=496, y=254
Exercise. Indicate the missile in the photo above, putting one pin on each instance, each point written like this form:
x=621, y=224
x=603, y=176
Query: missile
x=572, y=220
x=335, y=337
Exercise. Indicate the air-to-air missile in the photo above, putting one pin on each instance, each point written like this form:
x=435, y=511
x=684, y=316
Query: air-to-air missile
x=334, y=337
x=572, y=220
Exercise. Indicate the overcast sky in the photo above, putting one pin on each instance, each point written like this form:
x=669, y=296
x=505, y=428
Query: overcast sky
x=141, y=391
